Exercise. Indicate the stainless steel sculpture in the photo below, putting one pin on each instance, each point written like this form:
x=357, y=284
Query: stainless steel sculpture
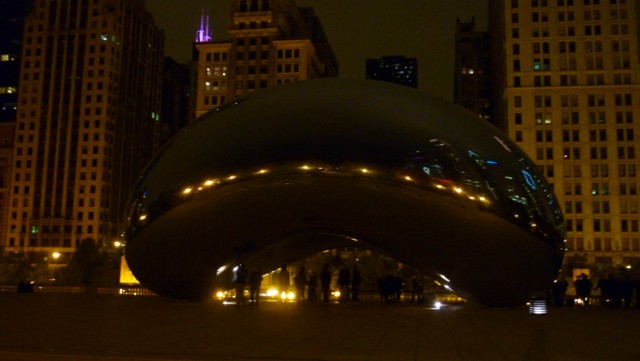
x=301, y=168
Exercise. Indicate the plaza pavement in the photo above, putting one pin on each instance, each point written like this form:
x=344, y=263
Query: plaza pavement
x=57, y=327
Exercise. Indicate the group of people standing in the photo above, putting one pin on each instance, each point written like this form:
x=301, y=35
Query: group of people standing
x=306, y=284
x=348, y=284
x=317, y=286
x=613, y=292
x=253, y=279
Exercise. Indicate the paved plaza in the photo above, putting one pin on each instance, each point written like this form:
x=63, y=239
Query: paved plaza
x=56, y=327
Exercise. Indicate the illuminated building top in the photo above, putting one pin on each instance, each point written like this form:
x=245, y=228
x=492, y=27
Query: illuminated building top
x=203, y=34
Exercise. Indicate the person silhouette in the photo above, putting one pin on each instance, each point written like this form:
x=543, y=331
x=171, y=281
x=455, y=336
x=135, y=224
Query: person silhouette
x=255, y=281
x=344, y=279
x=283, y=279
x=239, y=283
x=583, y=287
x=312, y=285
x=355, y=283
x=325, y=283
x=301, y=283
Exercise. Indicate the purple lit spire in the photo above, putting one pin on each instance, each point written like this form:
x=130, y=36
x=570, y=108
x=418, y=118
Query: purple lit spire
x=202, y=34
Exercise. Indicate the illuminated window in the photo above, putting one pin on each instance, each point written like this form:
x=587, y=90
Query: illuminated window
x=4, y=57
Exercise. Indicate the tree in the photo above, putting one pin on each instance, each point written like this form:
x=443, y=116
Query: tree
x=15, y=267
x=91, y=265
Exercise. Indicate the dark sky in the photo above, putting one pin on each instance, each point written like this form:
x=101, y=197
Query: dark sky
x=357, y=30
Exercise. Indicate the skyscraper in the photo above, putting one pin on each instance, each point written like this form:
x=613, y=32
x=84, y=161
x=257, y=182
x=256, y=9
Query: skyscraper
x=472, y=69
x=87, y=122
x=177, y=102
x=395, y=69
x=569, y=94
x=11, y=26
x=271, y=42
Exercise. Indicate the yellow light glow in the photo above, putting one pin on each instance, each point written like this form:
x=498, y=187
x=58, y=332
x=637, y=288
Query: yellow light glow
x=305, y=167
x=407, y=178
x=472, y=198
x=272, y=292
x=187, y=190
x=365, y=170
x=439, y=186
x=55, y=255
x=220, y=294
x=199, y=188
x=117, y=244
x=231, y=177
x=283, y=295
x=209, y=182
x=291, y=296
x=457, y=190
x=482, y=199
x=262, y=171
x=142, y=217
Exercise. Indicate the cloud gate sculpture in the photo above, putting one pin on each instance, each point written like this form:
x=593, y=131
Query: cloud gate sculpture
x=291, y=171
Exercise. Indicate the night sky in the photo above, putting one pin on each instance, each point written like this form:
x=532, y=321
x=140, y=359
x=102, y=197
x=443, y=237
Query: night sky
x=357, y=30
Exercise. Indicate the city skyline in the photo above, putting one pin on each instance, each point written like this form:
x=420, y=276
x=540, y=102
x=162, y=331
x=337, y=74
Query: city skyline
x=379, y=31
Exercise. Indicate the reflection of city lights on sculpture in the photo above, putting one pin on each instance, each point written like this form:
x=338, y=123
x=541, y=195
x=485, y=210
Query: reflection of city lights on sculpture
x=221, y=269
x=467, y=198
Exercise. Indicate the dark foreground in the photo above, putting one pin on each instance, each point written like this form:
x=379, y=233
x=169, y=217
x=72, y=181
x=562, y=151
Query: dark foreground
x=60, y=327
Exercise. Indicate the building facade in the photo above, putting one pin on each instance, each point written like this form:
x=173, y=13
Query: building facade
x=395, y=69
x=271, y=42
x=87, y=122
x=177, y=102
x=472, y=79
x=568, y=92
x=11, y=28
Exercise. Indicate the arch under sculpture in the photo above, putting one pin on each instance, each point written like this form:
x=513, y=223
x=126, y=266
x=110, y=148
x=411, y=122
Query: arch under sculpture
x=294, y=170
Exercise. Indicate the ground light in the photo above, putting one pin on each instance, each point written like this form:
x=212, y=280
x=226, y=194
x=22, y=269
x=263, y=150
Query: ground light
x=538, y=306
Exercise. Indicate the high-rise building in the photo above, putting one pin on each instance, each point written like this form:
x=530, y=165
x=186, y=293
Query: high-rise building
x=11, y=27
x=177, y=107
x=271, y=42
x=7, y=131
x=87, y=122
x=395, y=69
x=472, y=80
x=568, y=91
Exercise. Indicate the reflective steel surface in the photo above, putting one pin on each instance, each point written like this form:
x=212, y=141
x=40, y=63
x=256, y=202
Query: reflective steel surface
x=294, y=170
